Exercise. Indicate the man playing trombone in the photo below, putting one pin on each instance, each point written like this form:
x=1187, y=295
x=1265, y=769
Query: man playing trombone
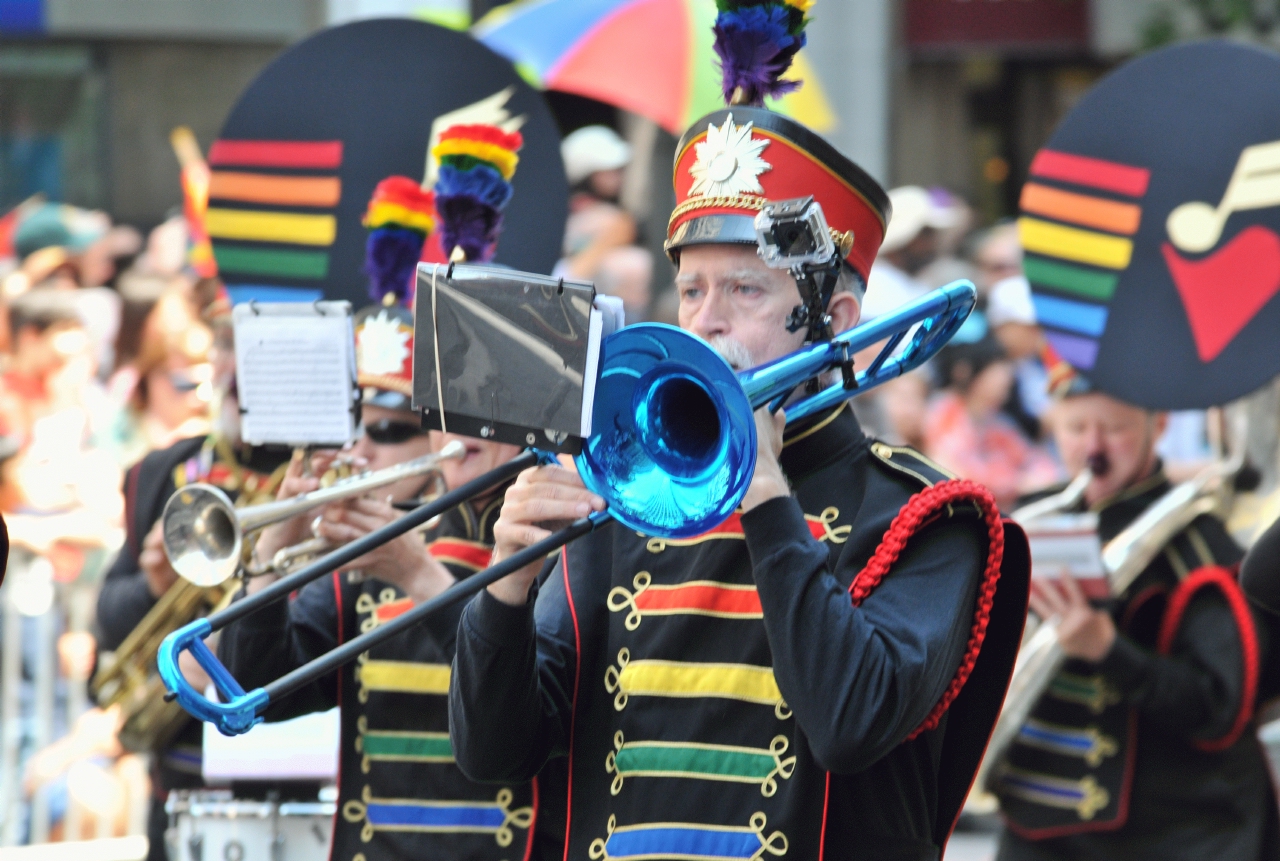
x=726, y=695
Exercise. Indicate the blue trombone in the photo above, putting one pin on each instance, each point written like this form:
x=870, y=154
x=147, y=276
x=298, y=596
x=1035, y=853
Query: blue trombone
x=672, y=454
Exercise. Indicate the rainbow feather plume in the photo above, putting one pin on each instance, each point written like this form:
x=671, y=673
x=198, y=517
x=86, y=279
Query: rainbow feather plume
x=401, y=214
x=473, y=187
x=756, y=40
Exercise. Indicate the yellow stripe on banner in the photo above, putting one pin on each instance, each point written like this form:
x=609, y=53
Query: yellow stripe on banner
x=1072, y=243
x=290, y=227
x=405, y=677
x=677, y=679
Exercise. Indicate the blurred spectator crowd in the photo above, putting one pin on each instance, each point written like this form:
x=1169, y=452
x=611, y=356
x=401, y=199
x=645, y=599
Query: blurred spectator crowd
x=107, y=353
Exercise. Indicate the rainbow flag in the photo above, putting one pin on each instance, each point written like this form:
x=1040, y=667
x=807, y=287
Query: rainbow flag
x=1079, y=215
x=272, y=205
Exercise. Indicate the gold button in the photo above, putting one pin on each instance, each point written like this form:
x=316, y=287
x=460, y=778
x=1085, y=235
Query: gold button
x=879, y=449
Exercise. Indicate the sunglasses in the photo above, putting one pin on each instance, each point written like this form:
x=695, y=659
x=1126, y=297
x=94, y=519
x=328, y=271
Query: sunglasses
x=390, y=431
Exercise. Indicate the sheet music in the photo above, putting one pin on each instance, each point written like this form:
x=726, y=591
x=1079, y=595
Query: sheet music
x=296, y=372
x=1068, y=544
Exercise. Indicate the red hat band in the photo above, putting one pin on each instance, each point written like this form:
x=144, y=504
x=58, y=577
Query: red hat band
x=731, y=162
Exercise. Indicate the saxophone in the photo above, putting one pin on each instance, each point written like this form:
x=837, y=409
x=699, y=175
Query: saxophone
x=128, y=677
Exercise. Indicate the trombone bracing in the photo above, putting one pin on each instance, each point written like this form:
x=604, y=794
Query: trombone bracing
x=672, y=452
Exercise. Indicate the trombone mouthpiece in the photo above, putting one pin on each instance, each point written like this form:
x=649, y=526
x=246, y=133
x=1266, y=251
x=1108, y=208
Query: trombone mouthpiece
x=1099, y=464
x=455, y=450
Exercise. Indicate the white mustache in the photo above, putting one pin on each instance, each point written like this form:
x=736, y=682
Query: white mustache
x=737, y=355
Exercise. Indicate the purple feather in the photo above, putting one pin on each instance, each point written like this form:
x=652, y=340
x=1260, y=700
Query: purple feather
x=479, y=181
x=390, y=260
x=470, y=224
x=755, y=50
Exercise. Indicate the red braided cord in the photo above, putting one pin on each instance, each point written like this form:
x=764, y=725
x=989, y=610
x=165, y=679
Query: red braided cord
x=914, y=516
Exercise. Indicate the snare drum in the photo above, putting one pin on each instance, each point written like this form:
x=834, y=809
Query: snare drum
x=210, y=825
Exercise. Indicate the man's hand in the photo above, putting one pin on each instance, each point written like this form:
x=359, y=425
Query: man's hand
x=155, y=564
x=403, y=562
x=289, y=532
x=769, y=481
x=1083, y=631
x=541, y=500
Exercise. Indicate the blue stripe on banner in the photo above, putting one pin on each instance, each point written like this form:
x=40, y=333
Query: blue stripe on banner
x=1078, y=317
x=487, y=817
x=263, y=293
x=681, y=842
x=21, y=16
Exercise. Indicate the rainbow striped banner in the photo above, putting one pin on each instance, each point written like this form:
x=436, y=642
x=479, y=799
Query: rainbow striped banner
x=1079, y=215
x=272, y=206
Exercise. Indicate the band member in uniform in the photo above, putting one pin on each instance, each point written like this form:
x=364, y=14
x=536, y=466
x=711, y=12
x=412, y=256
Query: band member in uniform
x=1143, y=746
x=727, y=695
x=141, y=572
x=401, y=796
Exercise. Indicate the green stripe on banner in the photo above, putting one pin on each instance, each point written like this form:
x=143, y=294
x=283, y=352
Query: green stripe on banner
x=648, y=759
x=422, y=746
x=1073, y=279
x=273, y=261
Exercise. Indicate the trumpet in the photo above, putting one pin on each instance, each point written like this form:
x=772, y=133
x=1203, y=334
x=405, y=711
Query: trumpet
x=672, y=451
x=204, y=532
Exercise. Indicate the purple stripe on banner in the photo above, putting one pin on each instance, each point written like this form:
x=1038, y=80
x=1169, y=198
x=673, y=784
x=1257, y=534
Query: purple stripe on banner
x=1079, y=352
x=479, y=817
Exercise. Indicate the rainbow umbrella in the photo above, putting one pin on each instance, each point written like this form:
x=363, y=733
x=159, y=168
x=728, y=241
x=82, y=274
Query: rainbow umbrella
x=651, y=57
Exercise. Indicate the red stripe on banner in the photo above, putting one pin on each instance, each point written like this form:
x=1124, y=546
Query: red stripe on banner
x=296, y=154
x=1092, y=172
x=466, y=553
x=701, y=596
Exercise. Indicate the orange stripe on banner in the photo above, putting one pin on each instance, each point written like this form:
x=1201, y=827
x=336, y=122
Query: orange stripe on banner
x=322, y=191
x=1081, y=209
x=715, y=598
x=467, y=553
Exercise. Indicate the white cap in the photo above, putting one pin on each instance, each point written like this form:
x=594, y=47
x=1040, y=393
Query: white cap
x=591, y=149
x=914, y=209
x=1010, y=302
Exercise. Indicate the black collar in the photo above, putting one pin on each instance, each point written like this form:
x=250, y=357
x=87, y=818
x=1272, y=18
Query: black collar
x=819, y=440
x=1122, y=508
